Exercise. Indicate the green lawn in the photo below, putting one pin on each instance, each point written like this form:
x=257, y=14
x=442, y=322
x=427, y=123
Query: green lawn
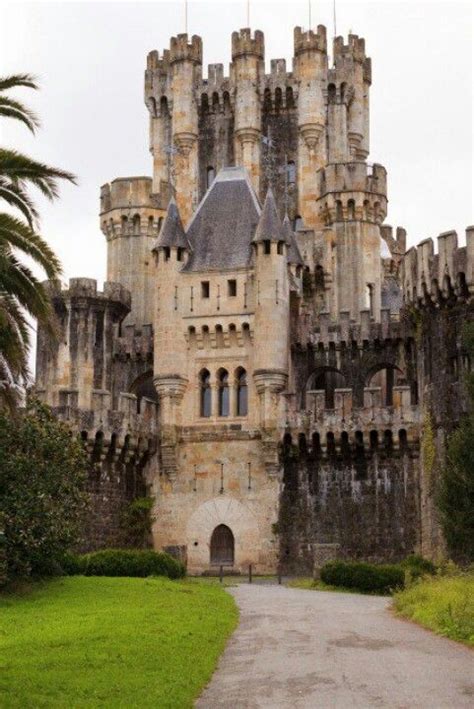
x=443, y=604
x=111, y=642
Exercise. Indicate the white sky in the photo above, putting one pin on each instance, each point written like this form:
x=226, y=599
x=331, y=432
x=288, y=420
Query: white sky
x=90, y=58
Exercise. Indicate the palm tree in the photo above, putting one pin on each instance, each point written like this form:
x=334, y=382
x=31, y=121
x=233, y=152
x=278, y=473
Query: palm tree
x=21, y=292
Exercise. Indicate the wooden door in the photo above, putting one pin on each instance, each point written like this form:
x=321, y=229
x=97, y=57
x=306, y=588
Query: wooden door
x=222, y=546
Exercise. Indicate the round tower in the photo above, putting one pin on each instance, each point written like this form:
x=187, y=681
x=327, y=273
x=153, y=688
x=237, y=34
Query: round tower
x=247, y=72
x=271, y=325
x=310, y=70
x=171, y=251
x=353, y=205
x=130, y=223
x=186, y=73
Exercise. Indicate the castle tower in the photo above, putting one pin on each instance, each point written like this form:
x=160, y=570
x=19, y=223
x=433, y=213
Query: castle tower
x=348, y=101
x=310, y=70
x=130, y=222
x=247, y=72
x=78, y=364
x=353, y=204
x=271, y=311
x=171, y=251
x=186, y=72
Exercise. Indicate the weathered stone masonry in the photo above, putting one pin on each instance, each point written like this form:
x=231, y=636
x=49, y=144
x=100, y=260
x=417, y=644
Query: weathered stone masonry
x=264, y=359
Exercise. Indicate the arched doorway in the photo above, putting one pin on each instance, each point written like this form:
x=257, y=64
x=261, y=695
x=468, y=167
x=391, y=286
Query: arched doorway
x=222, y=546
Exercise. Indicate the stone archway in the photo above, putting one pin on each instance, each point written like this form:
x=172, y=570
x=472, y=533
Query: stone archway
x=222, y=546
x=239, y=518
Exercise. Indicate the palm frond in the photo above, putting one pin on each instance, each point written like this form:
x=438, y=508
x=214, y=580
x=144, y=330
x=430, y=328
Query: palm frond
x=14, y=80
x=18, y=167
x=16, y=234
x=9, y=108
x=15, y=195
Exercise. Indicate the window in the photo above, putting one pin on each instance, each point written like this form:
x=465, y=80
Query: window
x=266, y=247
x=205, y=290
x=280, y=247
x=291, y=172
x=242, y=393
x=298, y=223
x=223, y=391
x=211, y=173
x=232, y=288
x=205, y=393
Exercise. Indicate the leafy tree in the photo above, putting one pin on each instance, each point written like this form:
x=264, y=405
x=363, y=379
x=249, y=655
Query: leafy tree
x=20, y=289
x=42, y=499
x=456, y=496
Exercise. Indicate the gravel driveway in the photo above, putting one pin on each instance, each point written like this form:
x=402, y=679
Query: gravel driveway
x=298, y=648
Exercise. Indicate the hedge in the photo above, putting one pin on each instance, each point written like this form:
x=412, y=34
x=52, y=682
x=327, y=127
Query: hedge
x=363, y=576
x=123, y=562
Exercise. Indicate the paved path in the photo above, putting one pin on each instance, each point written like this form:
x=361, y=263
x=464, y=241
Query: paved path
x=298, y=648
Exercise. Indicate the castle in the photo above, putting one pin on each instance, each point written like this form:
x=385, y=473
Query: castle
x=265, y=359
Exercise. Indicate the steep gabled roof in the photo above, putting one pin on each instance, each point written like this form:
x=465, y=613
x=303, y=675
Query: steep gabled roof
x=269, y=227
x=172, y=230
x=220, y=232
x=294, y=255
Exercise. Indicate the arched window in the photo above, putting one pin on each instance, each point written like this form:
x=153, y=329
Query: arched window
x=291, y=171
x=298, y=222
x=351, y=209
x=290, y=101
x=332, y=93
x=242, y=392
x=136, y=224
x=223, y=392
x=211, y=173
x=164, y=111
x=278, y=99
x=205, y=393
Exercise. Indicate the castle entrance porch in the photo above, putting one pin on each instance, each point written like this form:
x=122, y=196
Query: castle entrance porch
x=222, y=546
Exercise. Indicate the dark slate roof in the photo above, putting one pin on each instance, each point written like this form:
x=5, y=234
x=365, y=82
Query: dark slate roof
x=392, y=296
x=220, y=232
x=172, y=231
x=269, y=227
x=294, y=255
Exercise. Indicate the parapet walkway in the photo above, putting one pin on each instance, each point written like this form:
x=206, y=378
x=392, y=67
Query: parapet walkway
x=313, y=649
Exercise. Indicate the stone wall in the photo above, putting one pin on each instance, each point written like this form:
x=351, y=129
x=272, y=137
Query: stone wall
x=366, y=501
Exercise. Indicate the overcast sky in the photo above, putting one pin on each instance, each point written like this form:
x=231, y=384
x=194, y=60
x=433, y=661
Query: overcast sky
x=90, y=59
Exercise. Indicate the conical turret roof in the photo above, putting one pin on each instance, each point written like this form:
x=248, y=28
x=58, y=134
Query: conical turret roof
x=294, y=255
x=172, y=230
x=269, y=227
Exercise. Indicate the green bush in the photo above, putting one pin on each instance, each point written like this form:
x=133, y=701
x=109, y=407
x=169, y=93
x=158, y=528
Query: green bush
x=137, y=522
x=127, y=562
x=72, y=564
x=417, y=566
x=43, y=475
x=363, y=577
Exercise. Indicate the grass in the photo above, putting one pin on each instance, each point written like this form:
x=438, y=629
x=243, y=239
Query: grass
x=111, y=642
x=442, y=604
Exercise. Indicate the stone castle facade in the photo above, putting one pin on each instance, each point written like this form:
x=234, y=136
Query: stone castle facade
x=265, y=356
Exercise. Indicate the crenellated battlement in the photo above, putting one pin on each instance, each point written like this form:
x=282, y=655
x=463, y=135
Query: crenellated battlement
x=182, y=50
x=244, y=43
x=86, y=288
x=310, y=41
x=345, y=330
x=353, y=190
x=355, y=48
x=135, y=343
x=155, y=63
x=396, y=243
x=126, y=193
x=435, y=277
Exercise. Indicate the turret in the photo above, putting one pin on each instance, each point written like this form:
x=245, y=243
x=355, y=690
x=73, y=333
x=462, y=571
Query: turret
x=271, y=310
x=353, y=204
x=170, y=95
x=247, y=72
x=171, y=251
x=186, y=72
x=71, y=369
x=348, y=101
x=130, y=222
x=310, y=71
